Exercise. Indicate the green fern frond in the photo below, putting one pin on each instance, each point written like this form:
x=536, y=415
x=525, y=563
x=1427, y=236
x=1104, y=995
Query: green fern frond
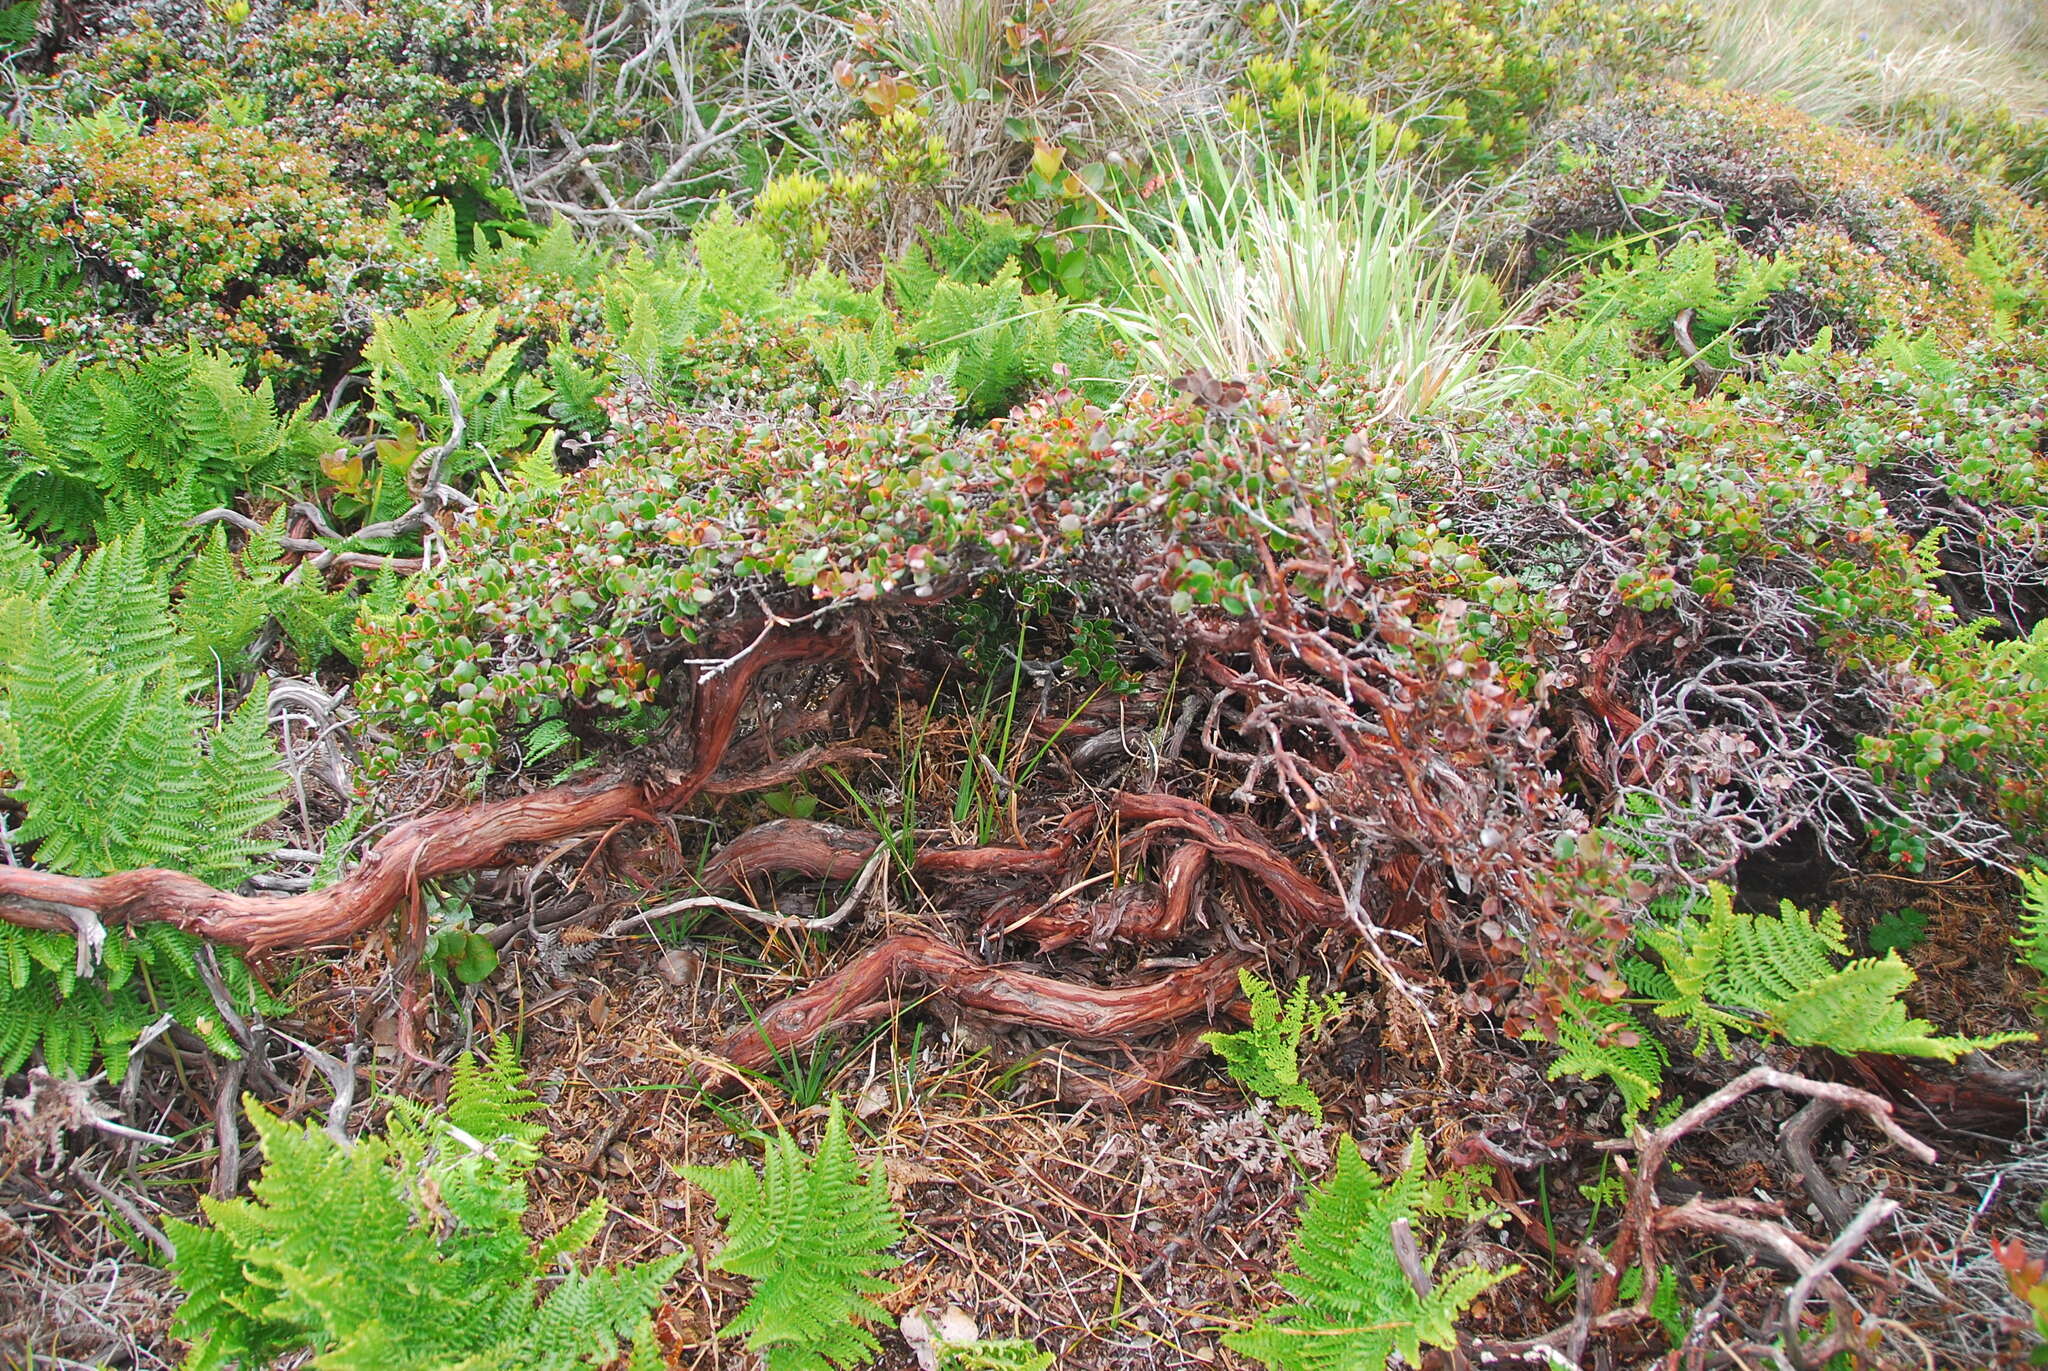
x=1265, y=1059
x=536, y=470
x=218, y=612
x=855, y=354
x=318, y=622
x=578, y=389
x=488, y=1098
x=810, y=1233
x=81, y=746
x=972, y=246
x=22, y=575
x=646, y=1354
x=985, y=1354
x=1777, y=975
x=573, y=1236
x=828, y=297
x=2032, y=939
x=1858, y=1009
x=546, y=738
x=409, y=356
x=912, y=278
x=588, y=1317
x=403, y=1250
x=1598, y=1041
x=233, y=432
x=115, y=609
x=1704, y=958
x=145, y=971
x=741, y=264
x=239, y=790
x=99, y=449
x=1354, y=1306
x=989, y=330
x=340, y=840
x=138, y=436
x=116, y=767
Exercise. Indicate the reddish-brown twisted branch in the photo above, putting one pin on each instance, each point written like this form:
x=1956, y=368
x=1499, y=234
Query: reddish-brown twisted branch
x=882, y=979
x=1239, y=843
x=421, y=849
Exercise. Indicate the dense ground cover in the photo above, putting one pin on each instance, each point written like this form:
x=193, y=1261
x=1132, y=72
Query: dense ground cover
x=1023, y=682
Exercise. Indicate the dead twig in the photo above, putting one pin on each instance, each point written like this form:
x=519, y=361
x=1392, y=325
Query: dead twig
x=1874, y=1212
x=124, y=1206
x=1797, y=1144
x=227, y=1176
x=1409, y=1256
x=1644, y=1214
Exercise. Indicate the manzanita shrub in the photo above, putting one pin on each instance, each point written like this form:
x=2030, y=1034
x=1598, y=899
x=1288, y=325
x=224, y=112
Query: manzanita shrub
x=404, y=93
x=1882, y=240
x=587, y=596
x=115, y=237
x=1762, y=513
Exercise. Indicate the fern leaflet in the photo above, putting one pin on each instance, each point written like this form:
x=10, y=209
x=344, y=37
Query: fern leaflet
x=2032, y=939
x=810, y=1233
x=1776, y=975
x=1354, y=1306
x=1596, y=1040
x=404, y=1251
x=1265, y=1059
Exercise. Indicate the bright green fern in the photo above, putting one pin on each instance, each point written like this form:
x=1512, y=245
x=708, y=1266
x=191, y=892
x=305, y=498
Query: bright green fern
x=118, y=765
x=144, y=972
x=988, y=1354
x=318, y=622
x=1597, y=1040
x=1775, y=975
x=123, y=770
x=95, y=450
x=218, y=616
x=2032, y=940
x=1354, y=1306
x=224, y=600
x=1265, y=1059
x=810, y=1233
x=406, y=1250
x=1760, y=975
x=858, y=354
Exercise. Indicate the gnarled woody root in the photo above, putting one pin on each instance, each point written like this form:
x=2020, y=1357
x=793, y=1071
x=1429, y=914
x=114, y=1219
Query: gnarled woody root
x=877, y=982
x=424, y=848
x=880, y=980
x=827, y=852
x=1141, y=913
x=824, y=851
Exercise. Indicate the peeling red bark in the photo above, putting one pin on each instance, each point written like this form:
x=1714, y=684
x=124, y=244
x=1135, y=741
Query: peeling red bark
x=437, y=845
x=899, y=969
x=1141, y=913
x=1134, y=913
x=827, y=852
x=1240, y=844
x=418, y=850
x=1632, y=630
x=820, y=851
